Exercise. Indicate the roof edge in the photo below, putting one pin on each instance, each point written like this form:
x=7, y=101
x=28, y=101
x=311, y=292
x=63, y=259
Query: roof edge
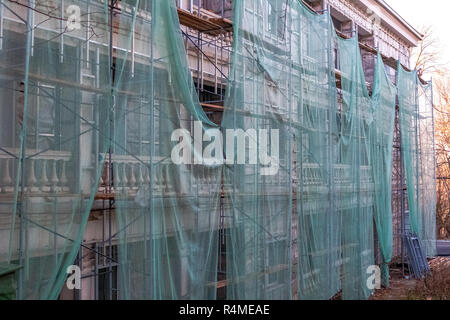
x=400, y=18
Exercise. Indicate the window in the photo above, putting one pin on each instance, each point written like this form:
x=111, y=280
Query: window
x=103, y=283
x=106, y=285
x=276, y=18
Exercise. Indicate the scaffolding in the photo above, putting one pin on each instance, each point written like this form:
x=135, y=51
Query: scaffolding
x=207, y=38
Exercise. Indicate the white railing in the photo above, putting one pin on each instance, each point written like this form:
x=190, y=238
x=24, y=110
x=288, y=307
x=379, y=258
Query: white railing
x=46, y=172
x=131, y=174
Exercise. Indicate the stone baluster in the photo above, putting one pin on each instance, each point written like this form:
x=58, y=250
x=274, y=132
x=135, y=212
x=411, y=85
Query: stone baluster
x=207, y=180
x=107, y=175
x=64, y=180
x=54, y=180
x=204, y=181
x=310, y=175
x=337, y=176
x=132, y=177
x=124, y=177
x=199, y=180
x=147, y=175
x=156, y=179
x=161, y=180
x=31, y=177
x=213, y=175
x=6, y=177
x=140, y=179
x=44, y=178
x=195, y=180
x=165, y=182
x=117, y=180
x=101, y=182
x=306, y=179
x=170, y=182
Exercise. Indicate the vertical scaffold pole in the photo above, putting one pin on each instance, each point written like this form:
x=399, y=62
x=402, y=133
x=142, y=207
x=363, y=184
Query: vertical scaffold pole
x=21, y=169
x=111, y=132
x=151, y=285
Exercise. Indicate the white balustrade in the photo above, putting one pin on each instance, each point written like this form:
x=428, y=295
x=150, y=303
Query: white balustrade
x=131, y=174
x=45, y=172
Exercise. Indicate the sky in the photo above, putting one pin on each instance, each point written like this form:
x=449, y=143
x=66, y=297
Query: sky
x=435, y=13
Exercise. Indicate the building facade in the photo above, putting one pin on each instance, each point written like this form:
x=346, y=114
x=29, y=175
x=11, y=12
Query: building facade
x=207, y=31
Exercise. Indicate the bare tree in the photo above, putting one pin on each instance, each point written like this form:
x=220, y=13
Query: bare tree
x=442, y=135
x=427, y=60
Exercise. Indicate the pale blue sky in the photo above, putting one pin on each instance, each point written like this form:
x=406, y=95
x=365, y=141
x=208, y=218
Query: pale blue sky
x=427, y=12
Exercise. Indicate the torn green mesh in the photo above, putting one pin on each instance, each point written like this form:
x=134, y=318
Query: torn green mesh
x=260, y=99
x=337, y=149
x=381, y=138
x=168, y=221
x=427, y=182
x=417, y=134
x=354, y=193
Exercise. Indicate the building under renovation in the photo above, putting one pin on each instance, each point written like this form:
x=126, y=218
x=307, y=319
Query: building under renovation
x=210, y=149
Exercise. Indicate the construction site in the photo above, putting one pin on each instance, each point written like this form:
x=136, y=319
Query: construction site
x=114, y=155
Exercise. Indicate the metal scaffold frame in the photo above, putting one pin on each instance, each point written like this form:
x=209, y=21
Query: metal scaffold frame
x=211, y=48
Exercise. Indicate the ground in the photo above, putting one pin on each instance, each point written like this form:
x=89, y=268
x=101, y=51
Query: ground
x=434, y=287
x=399, y=287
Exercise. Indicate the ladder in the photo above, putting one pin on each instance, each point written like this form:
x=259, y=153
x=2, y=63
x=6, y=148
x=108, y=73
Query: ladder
x=417, y=261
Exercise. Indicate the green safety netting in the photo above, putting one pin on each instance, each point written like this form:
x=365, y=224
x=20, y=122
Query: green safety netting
x=381, y=138
x=334, y=148
x=258, y=122
x=319, y=229
x=166, y=195
x=371, y=127
x=305, y=168
x=427, y=154
x=8, y=281
x=354, y=189
x=53, y=86
x=408, y=118
x=417, y=135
